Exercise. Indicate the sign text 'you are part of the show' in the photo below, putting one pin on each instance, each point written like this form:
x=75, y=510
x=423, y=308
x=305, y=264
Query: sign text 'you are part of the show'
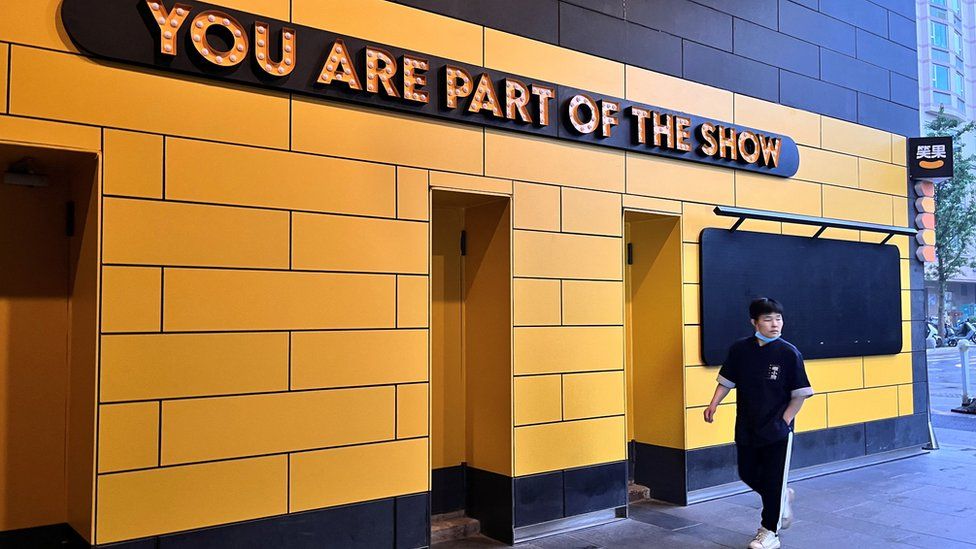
x=215, y=42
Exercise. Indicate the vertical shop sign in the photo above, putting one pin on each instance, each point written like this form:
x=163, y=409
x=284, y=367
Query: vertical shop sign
x=929, y=162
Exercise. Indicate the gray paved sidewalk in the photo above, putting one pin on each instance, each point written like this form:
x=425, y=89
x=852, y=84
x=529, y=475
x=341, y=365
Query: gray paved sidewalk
x=925, y=501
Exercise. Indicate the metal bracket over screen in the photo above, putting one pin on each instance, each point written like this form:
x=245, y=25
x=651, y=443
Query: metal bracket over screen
x=823, y=223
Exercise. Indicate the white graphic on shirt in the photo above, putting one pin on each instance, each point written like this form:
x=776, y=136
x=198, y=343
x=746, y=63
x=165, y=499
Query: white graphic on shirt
x=773, y=373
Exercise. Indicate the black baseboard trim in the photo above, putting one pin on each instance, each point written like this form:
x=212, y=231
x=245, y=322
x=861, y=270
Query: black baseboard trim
x=662, y=471
x=401, y=522
x=505, y=505
x=739, y=487
x=447, y=489
x=674, y=475
x=489, y=499
x=54, y=536
x=580, y=491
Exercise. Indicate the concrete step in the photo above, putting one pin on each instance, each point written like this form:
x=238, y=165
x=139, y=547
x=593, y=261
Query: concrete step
x=636, y=492
x=452, y=526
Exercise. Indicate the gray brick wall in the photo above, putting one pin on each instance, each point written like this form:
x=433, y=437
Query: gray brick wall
x=850, y=59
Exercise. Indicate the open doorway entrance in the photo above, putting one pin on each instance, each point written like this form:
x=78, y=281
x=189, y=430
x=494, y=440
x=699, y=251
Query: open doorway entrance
x=471, y=373
x=48, y=326
x=654, y=356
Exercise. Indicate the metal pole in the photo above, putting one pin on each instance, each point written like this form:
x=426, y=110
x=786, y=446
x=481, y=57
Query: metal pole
x=964, y=363
x=933, y=443
x=968, y=403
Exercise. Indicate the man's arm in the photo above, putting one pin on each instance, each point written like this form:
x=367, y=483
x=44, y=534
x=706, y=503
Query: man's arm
x=721, y=391
x=800, y=390
x=793, y=408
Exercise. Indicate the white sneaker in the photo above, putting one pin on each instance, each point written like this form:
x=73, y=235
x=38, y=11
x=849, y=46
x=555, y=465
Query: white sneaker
x=764, y=539
x=788, y=510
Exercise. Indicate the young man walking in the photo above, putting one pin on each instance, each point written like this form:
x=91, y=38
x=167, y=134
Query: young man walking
x=772, y=385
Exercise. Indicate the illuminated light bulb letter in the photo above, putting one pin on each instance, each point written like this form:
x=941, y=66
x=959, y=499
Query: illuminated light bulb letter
x=770, y=147
x=380, y=66
x=517, y=97
x=262, y=50
x=681, y=133
x=589, y=124
x=545, y=94
x=748, y=147
x=170, y=22
x=640, y=123
x=485, y=98
x=706, y=134
x=413, y=80
x=458, y=85
x=727, y=147
x=663, y=130
x=239, y=48
x=338, y=66
x=608, y=116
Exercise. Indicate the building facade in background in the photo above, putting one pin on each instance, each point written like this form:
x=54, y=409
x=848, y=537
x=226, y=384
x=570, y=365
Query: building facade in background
x=945, y=53
x=947, y=69
x=254, y=295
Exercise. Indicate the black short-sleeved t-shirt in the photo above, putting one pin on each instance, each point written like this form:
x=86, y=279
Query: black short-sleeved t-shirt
x=766, y=378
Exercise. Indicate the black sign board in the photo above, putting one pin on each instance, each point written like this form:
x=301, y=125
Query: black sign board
x=208, y=41
x=929, y=157
x=841, y=298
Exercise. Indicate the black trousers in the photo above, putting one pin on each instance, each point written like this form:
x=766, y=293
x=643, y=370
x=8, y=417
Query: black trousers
x=765, y=469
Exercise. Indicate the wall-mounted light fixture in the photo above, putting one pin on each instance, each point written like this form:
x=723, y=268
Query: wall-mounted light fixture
x=25, y=173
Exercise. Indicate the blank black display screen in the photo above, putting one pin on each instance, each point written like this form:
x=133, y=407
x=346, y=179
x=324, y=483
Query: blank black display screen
x=840, y=298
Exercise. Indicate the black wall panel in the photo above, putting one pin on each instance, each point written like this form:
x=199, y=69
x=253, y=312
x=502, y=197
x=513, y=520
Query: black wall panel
x=539, y=498
x=897, y=432
x=712, y=466
x=360, y=525
x=595, y=488
x=490, y=498
x=662, y=470
x=841, y=298
x=447, y=490
x=771, y=49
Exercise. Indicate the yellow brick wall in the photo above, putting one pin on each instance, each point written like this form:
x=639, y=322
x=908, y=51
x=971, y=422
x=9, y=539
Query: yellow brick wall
x=249, y=231
x=848, y=172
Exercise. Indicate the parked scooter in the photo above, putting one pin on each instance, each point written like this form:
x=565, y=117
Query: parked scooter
x=965, y=331
x=932, y=338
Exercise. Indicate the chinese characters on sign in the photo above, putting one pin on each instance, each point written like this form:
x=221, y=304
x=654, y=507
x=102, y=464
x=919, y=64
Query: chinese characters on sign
x=929, y=161
x=930, y=158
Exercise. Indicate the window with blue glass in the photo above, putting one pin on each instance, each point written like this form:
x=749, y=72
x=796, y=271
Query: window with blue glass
x=939, y=3
x=957, y=43
x=940, y=56
x=957, y=84
x=940, y=77
x=942, y=98
x=940, y=35
x=938, y=13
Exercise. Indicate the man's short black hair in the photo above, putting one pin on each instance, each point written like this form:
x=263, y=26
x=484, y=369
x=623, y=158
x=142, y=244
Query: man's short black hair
x=764, y=306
